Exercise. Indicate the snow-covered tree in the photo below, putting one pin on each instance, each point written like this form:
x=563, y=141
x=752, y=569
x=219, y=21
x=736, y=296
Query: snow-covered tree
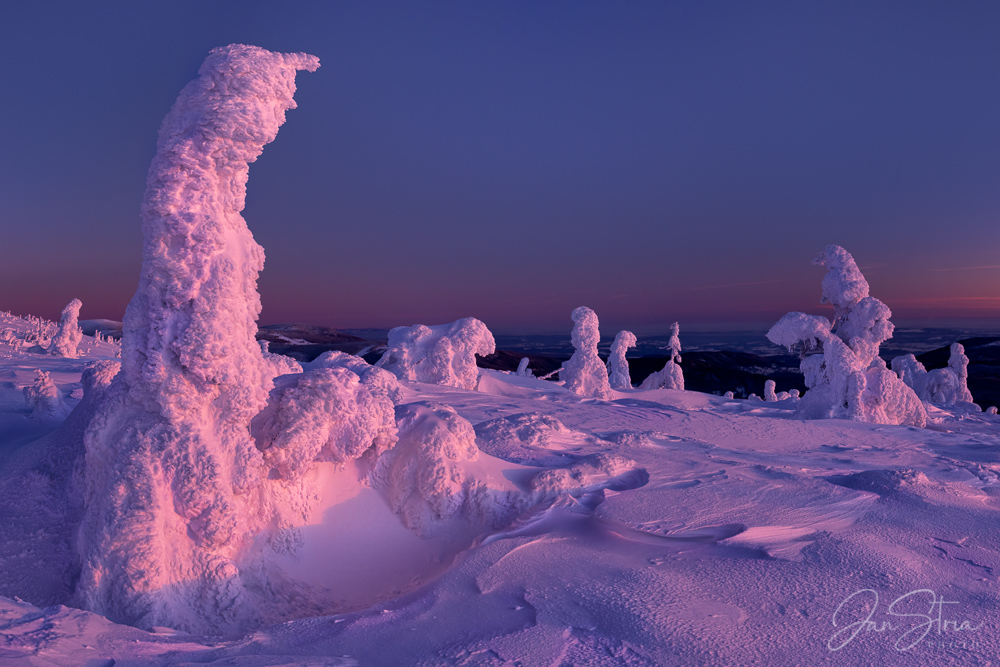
x=523, y=370
x=67, y=339
x=173, y=481
x=769, y=394
x=585, y=374
x=944, y=386
x=443, y=354
x=618, y=376
x=43, y=398
x=671, y=376
x=845, y=376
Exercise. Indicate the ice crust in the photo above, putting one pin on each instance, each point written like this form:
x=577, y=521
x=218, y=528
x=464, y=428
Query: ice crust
x=444, y=354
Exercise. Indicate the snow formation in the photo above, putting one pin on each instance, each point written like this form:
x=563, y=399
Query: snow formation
x=618, y=376
x=67, y=339
x=443, y=354
x=671, y=376
x=174, y=482
x=585, y=374
x=43, y=398
x=845, y=376
x=769, y=394
x=523, y=370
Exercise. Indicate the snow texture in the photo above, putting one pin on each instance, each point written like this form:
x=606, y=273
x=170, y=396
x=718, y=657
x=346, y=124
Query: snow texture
x=585, y=374
x=67, y=339
x=380, y=382
x=845, y=376
x=618, y=376
x=327, y=414
x=172, y=474
x=443, y=354
x=671, y=376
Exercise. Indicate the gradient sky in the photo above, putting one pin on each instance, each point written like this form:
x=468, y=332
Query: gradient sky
x=513, y=160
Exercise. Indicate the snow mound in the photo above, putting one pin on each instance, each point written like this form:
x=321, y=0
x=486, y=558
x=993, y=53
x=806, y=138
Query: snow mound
x=377, y=380
x=426, y=476
x=589, y=474
x=326, y=414
x=585, y=374
x=443, y=354
x=67, y=339
x=881, y=482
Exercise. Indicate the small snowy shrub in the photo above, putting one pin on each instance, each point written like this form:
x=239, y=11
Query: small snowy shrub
x=43, y=398
x=443, y=354
x=671, y=376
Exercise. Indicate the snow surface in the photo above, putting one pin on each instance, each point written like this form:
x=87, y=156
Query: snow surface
x=731, y=536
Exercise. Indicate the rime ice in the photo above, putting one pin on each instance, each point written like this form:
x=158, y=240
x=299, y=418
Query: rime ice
x=169, y=457
x=618, y=376
x=443, y=354
x=67, y=339
x=845, y=376
x=585, y=374
x=670, y=376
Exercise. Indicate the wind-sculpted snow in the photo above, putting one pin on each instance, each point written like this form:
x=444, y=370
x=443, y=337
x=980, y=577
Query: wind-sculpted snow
x=845, y=376
x=585, y=374
x=444, y=354
x=618, y=376
x=531, y=439
x=67, y=339
x=173, y=476
x=670, y=376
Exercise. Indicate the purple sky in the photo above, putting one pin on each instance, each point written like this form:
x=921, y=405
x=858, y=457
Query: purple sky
x=513, y=160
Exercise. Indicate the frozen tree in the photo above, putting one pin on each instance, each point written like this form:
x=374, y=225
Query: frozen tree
x=671, y=376
x=585, y=374
x=769, y=394
x=523, y=370
x=992, y=410
x=43, y=398
x=173, y=483
x=443, y=354
x=845, y=376
x=944, y=386
x=728, y=395
x=67, y=339
x=617, y=363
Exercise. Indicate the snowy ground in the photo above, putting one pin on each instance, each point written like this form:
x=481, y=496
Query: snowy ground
x=744, y=535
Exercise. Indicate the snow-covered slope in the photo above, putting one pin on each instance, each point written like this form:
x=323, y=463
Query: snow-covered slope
x=689, y=529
